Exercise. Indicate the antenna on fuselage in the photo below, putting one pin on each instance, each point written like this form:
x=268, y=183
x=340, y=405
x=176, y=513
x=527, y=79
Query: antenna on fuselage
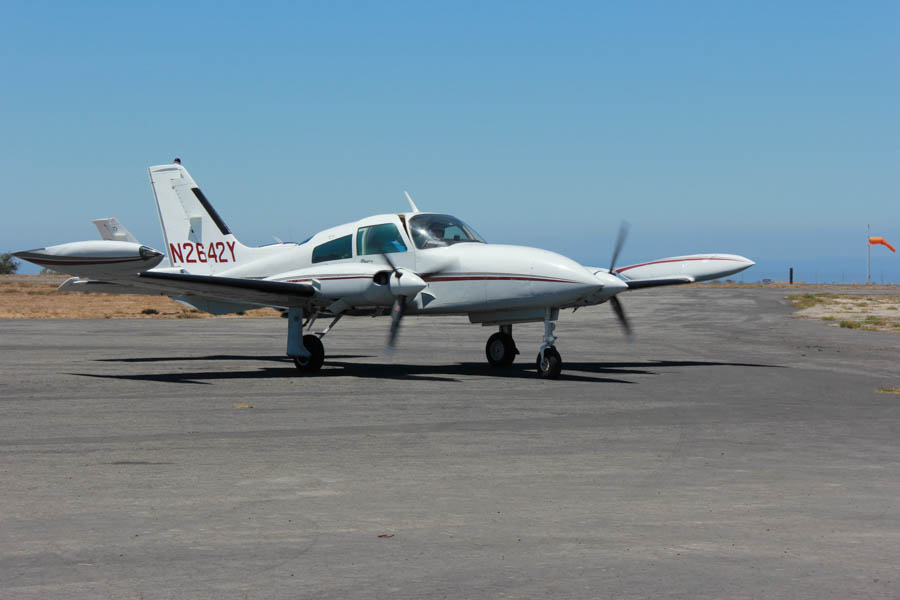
x=412, y=204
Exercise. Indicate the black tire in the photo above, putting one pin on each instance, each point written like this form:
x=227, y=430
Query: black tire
x=500, y=350
x=552, y=366
x=316, y=357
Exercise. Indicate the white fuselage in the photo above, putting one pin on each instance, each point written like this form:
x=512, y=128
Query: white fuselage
x=462, y=278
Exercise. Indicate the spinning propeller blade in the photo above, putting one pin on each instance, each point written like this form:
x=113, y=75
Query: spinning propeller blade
x=397, y=309
x=387, y=257
x=620, y=313
x=620, y=241
x=396, y=315
x=614, y=301
x=411, y=284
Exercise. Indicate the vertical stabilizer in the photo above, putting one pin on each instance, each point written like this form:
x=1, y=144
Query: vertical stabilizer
x=110, y=229
x=197, y=239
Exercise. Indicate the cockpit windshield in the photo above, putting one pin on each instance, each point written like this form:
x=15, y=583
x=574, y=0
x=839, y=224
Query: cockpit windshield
x=435, y=231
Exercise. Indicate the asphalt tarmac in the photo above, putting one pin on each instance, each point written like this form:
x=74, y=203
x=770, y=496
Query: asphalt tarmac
x=729, y=451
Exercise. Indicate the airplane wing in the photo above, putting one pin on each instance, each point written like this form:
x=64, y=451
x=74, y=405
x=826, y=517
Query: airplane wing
x=230, y=289
x=682, y=269
x=679, y=270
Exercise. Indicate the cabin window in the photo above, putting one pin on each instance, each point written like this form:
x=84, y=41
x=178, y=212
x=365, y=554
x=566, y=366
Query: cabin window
x=333, y=250
x=379, y=239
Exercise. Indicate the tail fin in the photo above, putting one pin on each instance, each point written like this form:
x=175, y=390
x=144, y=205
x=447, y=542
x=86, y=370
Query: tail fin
x=197, y=238
x=111, y=229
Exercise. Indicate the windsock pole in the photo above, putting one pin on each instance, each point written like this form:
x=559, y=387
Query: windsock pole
x=868, y=257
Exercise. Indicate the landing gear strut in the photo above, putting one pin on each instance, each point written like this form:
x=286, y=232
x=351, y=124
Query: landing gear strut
x=307, y=351
x=500, y=349
x=549, y=362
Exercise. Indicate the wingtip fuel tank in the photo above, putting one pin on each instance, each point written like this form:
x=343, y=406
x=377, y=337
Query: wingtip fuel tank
x=94, y=258
x=696, y=267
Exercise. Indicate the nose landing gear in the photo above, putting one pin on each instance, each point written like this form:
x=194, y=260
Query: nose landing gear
x=549, y=362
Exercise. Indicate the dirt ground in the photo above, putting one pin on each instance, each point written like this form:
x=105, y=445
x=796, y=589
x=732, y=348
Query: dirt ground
x=35, y=297
x=870, y=312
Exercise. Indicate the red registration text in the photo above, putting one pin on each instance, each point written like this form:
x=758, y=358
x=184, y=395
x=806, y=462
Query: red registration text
x=190, y=252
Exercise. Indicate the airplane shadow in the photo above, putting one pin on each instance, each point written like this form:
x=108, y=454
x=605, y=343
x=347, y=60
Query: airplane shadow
x=334, y=367
x=640, y=368
x=217, y=357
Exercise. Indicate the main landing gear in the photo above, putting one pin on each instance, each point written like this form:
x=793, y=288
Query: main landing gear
x=315, y=355
x=501, y=350
x=310, y=354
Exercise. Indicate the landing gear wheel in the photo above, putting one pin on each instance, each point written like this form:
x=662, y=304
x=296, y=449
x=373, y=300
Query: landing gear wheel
x=500, y=350
x=313, y=362
x=551, y=366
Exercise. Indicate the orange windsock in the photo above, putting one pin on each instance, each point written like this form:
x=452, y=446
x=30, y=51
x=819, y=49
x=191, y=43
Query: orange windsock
x=880, y=240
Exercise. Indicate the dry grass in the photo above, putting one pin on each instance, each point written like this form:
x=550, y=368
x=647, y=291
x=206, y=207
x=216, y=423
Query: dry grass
x=35, y=297
x=888, y=390
x=870, y=312
x=799, y=285
x=809, y=300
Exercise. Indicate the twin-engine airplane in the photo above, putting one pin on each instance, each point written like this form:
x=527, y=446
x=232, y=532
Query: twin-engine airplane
x=410, y=263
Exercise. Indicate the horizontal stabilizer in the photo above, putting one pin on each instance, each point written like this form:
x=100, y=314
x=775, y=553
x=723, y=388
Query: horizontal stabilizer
x=261, y=292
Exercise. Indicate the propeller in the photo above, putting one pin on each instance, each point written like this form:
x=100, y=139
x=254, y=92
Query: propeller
x=620, y=313
x=396, y=315
x=614, y=301
x=398, y=307
x=620, y=241
x=404, y=284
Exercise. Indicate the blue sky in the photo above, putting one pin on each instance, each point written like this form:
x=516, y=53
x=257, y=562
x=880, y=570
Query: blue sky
x=768, y=129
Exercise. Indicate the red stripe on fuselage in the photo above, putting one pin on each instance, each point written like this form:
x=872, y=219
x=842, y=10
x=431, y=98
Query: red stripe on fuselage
x=440, y=278
x=496, y=278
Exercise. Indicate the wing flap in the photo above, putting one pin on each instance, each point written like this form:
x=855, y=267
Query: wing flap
x=95, y=286
x=637, y=284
